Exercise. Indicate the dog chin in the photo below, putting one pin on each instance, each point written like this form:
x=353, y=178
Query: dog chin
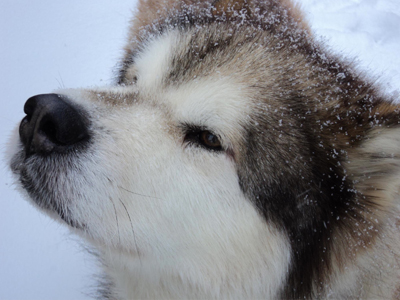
x=42, y=198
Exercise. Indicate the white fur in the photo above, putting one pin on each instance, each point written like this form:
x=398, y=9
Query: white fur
x=186, y=222
x=169, y=219
x=154, y=59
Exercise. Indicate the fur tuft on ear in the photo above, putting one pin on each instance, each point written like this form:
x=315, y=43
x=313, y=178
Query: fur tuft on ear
x=374, y=168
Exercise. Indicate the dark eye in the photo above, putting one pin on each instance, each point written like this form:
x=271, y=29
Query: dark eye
x=210, y=140
x=203, y=138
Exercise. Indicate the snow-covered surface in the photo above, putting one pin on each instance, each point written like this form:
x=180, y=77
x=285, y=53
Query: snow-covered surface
x=365, y=30
x=50, y=44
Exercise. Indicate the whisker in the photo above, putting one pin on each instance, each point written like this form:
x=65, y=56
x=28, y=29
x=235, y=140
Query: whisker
x=116, y=219
x=137, y=193
x=133, y=231
x=60, y=82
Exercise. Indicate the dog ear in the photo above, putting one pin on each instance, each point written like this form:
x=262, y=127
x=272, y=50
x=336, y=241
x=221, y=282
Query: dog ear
x=373, y=163
x=363, y=127
x=148, y=11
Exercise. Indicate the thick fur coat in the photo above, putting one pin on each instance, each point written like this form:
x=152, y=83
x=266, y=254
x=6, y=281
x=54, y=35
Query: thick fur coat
x=235, y=158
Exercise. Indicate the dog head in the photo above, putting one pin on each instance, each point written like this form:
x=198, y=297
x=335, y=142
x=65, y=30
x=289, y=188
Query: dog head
x=231, y=142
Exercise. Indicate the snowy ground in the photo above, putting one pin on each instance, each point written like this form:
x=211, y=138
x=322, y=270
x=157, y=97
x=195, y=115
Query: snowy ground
x=50, y=44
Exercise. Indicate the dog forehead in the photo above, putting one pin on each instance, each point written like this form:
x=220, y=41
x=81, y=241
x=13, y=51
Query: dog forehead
x=153, y=61
x=218, y=103
x=212, y=97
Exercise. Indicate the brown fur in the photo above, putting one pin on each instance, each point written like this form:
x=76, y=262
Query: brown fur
x=316, y=152
x=288, y=73
x=152, y=12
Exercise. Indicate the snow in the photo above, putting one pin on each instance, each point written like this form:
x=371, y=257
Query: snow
x=365, y=30
x=52, y=44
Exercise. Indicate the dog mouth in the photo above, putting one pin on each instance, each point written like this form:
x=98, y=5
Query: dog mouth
x=52, y=134
x=40, y=194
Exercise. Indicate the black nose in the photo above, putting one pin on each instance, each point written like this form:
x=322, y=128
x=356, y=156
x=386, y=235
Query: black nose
x=52, y=124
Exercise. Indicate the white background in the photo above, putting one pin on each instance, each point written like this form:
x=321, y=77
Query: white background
x=45, y=45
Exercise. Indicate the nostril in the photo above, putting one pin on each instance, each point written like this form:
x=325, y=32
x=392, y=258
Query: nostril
x=48, y=128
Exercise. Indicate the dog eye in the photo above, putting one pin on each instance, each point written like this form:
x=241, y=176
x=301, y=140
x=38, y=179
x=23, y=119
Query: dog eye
x=203, y=138
x=210, y=140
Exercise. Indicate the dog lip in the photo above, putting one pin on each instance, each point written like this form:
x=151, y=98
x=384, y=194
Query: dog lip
x=17, y=163
x=51, y=205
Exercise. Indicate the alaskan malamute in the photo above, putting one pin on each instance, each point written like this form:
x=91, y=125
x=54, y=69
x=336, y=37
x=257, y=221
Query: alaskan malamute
x=235, y=157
